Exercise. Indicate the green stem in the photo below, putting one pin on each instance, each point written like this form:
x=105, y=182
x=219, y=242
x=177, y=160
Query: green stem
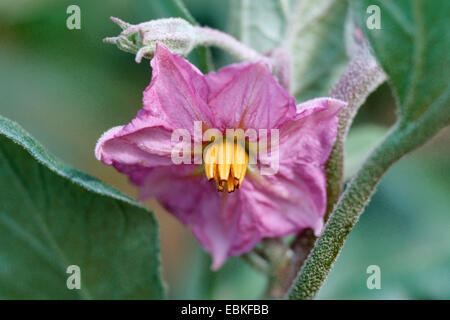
x=212, y=37
x=404, y=138
x=345, y=216
x=362, y=76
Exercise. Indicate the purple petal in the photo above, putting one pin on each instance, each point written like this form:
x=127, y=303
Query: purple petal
x=178, y=91
x=246, y=95
x=309, y=137
x=232, y=224
x=287, y=202
x=239, y=96
x=211, y=215
x=146, y=142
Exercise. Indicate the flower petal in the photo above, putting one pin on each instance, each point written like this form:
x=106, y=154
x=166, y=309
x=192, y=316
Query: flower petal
x=246, y=95
x=216, y=219
x=232, y=224
x=178, y=91
x=309, y=137
x=174, y=99
x=195, y=202
x=287, y=202
x=239, y=96
x=145, y=141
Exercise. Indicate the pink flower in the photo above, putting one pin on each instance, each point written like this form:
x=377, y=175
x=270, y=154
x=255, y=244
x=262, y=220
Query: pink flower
x=246, y=96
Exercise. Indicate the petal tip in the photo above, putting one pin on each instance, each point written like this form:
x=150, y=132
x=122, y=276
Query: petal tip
x=217, y=263
x=105, y=137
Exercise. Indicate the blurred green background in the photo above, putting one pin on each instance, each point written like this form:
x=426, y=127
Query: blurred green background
x=66, y=88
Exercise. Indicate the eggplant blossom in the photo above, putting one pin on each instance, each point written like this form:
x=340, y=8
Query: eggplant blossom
x=240, y=206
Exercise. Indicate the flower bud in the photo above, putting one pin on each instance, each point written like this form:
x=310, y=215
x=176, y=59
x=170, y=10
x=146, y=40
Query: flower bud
x=178, y=35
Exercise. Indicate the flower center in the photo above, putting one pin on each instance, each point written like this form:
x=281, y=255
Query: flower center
x=225, y=161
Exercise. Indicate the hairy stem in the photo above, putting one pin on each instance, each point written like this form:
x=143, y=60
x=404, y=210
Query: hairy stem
x=345, y=216
x=401, y=140
x=362, y=76
x=286, y=273
x=211, y=37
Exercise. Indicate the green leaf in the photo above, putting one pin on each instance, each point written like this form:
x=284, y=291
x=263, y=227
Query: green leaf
x=315, y=41
x=312, y=31
x=53, y=216
x=259, y=24
x=413, y=48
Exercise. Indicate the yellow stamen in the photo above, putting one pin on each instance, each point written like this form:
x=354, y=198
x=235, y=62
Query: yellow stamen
x=230, y=181
x=240, y=165
x=210, y=161
x=226, y=162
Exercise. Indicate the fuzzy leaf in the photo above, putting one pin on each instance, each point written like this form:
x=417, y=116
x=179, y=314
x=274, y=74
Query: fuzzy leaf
x=259, y=24
x=315, y=40
x=53, y=216
x=413, y=48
